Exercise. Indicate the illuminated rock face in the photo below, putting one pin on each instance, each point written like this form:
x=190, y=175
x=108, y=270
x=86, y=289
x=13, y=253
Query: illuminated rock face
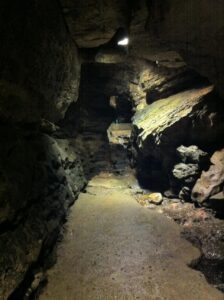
x=211, y=181
x=164, y=114
x=181, y=119
x=119, y=133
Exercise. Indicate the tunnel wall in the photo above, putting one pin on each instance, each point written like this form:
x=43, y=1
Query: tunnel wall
x=40, y=175
x=39, y=66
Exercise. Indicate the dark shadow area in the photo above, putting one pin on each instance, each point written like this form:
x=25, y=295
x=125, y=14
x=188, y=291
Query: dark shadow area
x=103, y=100
x=213, y=269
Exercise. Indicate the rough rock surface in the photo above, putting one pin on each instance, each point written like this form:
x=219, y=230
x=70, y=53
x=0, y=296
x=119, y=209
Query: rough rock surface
x=154, y=82
x=162, y=114
x=191, y=154
x=191, y=161
x=195, y=30
x=40, y=178
x=119, y=133
x=92, y=22
x=211, y=181
x=183, y=171
x=39, y=66
x=159, y=128
x=152, y=50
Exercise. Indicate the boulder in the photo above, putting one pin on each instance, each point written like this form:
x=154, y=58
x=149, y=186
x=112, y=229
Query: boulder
x=190, y=117
x=183, y=171
x=155, y=198
x=186, y=173
x=211, y=181
x=150, y=199
x=191, y=154
x=159, y=117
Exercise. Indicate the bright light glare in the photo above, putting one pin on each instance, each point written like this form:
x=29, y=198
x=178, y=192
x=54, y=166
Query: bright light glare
x=123, y=42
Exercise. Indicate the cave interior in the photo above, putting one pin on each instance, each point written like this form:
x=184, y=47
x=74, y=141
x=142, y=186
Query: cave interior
x=112, y=152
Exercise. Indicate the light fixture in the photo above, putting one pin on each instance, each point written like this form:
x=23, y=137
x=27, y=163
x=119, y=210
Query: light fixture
x=123, y=42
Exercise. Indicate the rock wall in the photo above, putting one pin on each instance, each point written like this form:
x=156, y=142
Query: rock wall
x=94, y=22
x=39, y=66
x=195, y=30
x=40, y=175
x=40, y=179
x=191, y=117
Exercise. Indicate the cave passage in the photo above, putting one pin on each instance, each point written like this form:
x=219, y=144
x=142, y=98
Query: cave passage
x=111, y=150
x=113, y=247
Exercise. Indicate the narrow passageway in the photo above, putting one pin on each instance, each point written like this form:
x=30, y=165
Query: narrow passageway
x=111, y=150
x=115, y=249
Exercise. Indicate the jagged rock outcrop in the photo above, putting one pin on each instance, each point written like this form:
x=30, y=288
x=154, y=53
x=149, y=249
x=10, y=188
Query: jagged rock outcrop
x=191, y=154
x=36, y=193
x=184, y=118
x=154, y=81
x=39, y=66
x=211, y=181
x=190, y=162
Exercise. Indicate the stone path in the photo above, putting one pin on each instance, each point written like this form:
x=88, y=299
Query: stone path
x=115, y=249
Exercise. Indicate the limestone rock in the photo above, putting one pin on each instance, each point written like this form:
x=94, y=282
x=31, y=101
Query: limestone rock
x=191, y=154
x=210, y=181
x=156, y=82
x=151, y=51
x=195, y=30
x=38, y=184
x=92, y=22
x=119, y=133
x=159, y=128
x=162, y=114
x=150, y=199
x=39, y=63
x=155, y=198
x=182, y=171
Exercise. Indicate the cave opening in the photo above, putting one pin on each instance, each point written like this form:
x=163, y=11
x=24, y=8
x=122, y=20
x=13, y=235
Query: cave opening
x=112, y=155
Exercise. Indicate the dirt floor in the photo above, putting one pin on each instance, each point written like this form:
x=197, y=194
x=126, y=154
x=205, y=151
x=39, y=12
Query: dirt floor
x=114, y=248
